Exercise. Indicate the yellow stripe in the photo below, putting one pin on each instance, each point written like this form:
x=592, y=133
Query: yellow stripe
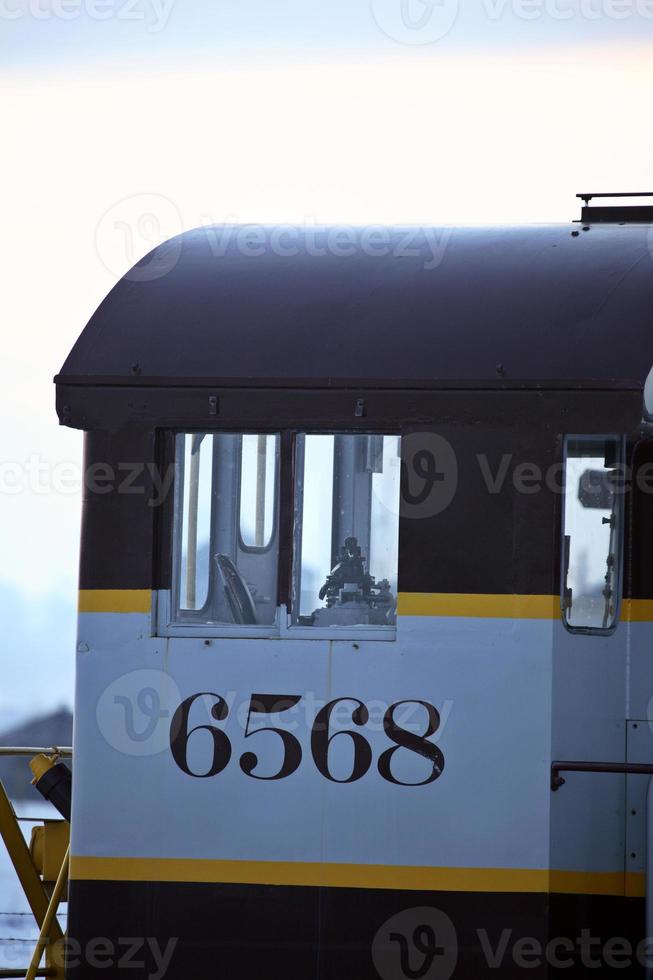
x=587, y=882
x=637, y=610
x=485, y=606
x=115, y=600
x=635, y=884
x=346, y=875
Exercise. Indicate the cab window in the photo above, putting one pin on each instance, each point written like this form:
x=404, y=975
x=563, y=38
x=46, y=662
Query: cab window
x=592, y=533
x=336, y=547
x=346, y=530
x=226, y=542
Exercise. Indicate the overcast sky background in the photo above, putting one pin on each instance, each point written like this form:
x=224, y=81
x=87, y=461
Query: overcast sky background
x=118, y=132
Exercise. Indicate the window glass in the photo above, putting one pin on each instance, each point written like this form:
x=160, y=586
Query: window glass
x=257, y=490
x=593, y=532
x=196, y=521
x=226, y=532
x=346, y=530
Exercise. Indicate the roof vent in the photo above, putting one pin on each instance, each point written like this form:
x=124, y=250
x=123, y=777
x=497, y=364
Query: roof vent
x=617, y=213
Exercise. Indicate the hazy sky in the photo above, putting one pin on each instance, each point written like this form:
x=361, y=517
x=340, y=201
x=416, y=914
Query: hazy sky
x=125, y=121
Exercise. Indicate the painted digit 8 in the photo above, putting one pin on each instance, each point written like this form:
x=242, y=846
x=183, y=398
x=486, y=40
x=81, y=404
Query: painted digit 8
x=404, y=739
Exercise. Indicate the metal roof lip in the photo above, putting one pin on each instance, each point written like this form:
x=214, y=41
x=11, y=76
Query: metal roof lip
x=216, y=384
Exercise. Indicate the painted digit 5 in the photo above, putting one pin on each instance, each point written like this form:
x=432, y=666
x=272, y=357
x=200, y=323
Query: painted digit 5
x=270, y=704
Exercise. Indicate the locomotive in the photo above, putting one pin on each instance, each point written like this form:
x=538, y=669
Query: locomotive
x=364, y=553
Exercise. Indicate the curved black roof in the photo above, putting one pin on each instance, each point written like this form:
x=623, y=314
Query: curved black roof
x=547, y=305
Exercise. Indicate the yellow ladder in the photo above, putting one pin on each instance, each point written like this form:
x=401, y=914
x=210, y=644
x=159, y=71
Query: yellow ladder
x=44, y=908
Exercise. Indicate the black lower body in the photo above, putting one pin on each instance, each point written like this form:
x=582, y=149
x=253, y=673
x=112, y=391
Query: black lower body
x=245, y=932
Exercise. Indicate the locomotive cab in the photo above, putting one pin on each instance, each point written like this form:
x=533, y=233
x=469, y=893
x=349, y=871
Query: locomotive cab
x=365, y=560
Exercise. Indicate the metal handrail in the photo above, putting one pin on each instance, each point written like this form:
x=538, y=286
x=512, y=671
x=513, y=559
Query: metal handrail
x=63, y=750
x=21, y=974
x=628, y=768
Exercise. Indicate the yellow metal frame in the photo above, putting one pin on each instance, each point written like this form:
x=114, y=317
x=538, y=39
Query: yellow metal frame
x=49, y=920
x=44, y=908
x=48, y=846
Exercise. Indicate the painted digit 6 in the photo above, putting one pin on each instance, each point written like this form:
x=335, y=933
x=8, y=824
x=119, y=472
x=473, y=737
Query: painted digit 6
x=320, y=741
x=180, y=735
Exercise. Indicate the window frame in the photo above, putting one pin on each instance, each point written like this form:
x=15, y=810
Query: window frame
x=620, y=530
x=284, y=531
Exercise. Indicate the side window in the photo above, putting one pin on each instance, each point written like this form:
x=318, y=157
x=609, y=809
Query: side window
x=346, y=530
x=258, y=490
x=226, y=542
x=194, y=460
x=592, y=532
